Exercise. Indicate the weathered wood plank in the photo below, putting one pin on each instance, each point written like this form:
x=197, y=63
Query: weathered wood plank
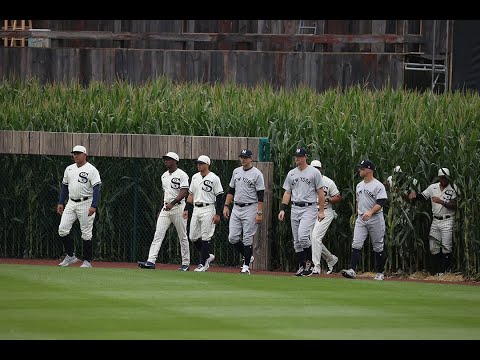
x=235, y=145
x=159, y=146
x=47, y=143
x=81, y=139
x=378, y=28
x=20, y=143
x=95, y=141
x=122, y=145
x=7, y=142
x=200, y=146
x=219, y=148
x=138, y=142
x=63, y=143
x=34, y=145
x=106, y=145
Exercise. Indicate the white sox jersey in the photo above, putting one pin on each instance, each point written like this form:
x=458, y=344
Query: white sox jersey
x=330, y=190
x=447, y=194
x=172, y=183
x=246, y=184
x=81, y=180
x=303, y=184
x=205, y=189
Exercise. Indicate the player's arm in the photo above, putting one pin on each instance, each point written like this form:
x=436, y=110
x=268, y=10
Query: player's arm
x=62, y=197
x=376, y=208
x=321, y=203
x=188, y=206
x=181, y=194
x=287, y=195
x=218, y=208
x=96, y=198
x=260, y=197
x=450, y=204
x=228, y=201
x=335, y=199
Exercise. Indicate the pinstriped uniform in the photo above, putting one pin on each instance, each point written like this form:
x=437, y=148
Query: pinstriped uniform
x=205, y=190
x=246, y=184
x=80, y=182
x=441, y=231
x=172, y=183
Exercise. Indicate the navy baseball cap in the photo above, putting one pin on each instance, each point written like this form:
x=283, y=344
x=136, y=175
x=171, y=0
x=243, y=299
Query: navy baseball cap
x=245, y=153
x=300, y=152
x=366, y=164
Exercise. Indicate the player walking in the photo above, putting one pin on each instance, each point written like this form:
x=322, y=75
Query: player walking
x=443, y=197
x=246, y=190
x=303, y=185
x=81, y=185
x=371, y=197
x=205, y=196
x=319, y=250
x=175, y=187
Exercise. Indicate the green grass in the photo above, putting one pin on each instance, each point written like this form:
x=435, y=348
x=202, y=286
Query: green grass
x=41, y=302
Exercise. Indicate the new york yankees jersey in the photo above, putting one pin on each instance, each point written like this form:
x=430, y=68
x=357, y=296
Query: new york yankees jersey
x=368, y=194
x=172, y=183
x=81, y=180
x=205, y=189
x=246, y=184
x=447, y=194
x=303, y=184
x=330, y=190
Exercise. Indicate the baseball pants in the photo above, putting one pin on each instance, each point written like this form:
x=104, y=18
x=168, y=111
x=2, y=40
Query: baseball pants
x=201, y=224
x=441, y=236
x=242, y=220
x=302, y=221
x=375, y=227
x=72, y=212
x=175, y=217
x=319, y=230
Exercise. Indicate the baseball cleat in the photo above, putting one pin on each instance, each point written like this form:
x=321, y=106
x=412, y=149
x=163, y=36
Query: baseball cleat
x=184, y=268
x=86, y=264
x=300, y=271
x=208, y=261
x=331, y=264
x=379, y=277
x=146, y=265
x=245, y=270
x=316, y=271
x=251, y=260
x=200, y=267
x=349, y=274
x=68, y=260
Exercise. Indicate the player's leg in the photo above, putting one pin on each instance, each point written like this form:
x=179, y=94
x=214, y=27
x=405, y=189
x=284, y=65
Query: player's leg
x=208, y=229
x=446, y=229
x=295, y=217
x=435, y=243
x=307, y=222
x=86, y=227
x=235, y=231
x=376, y=229
x=250, y=227
x=360, y=234
x=69, y=216
x=319, y=230
x=181, y=225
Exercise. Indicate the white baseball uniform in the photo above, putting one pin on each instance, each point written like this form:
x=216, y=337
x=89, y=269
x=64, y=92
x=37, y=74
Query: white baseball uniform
x=172, y=183
x=204, y=190
x=80, y=182
x=320, y=229
x=441, y=230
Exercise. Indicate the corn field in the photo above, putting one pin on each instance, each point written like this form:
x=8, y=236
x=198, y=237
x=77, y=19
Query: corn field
x=418, y=131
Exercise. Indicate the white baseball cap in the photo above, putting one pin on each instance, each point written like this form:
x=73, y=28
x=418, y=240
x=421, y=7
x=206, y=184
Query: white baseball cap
x=203, y=159
x=316, y=163
x=172, y=155
x=443, y=172
x=79, y=148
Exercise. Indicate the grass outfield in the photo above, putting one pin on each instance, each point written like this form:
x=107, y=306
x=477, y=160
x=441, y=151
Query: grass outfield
x=42, y=302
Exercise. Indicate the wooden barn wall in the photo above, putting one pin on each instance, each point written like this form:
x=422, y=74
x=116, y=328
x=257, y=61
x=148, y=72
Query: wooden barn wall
x=280, y=69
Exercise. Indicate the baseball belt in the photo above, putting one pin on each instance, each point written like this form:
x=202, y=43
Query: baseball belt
x=78, y=200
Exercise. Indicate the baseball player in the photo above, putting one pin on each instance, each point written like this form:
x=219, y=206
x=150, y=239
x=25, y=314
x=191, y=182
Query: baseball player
x=371, y=197
x=319, y=250
x=443, y=197
x=304, y=187
x=175, y=187
x=205, y=197
x=81, y=186
x=246, y=190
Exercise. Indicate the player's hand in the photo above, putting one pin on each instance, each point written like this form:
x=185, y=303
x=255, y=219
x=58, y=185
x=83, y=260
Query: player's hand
x=321, y=215
x=168, y=206
x=258, y=218
x=216, y=219
x=437, y=200
x=59, y=209
x=281, y=215
x=185, y=214
x=226, y=212
x=91, y=211
x=366, y=215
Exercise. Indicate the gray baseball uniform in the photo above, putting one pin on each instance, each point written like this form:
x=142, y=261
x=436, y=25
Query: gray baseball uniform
x=441, y=230
x=246, y=184
x=367, y=196
x=303, y=186
x=204, y=190
x=171, y=184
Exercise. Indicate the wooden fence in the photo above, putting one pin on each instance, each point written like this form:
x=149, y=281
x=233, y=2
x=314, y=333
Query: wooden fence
x=155, y=146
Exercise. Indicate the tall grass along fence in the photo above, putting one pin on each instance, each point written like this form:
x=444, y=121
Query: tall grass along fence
x=419, y=132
